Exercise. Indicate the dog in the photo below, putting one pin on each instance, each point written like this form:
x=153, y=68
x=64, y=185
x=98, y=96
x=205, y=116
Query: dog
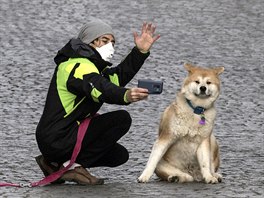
x=186, y=149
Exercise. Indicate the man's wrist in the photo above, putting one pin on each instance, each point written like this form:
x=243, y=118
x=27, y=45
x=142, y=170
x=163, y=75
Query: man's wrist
x=143, y=51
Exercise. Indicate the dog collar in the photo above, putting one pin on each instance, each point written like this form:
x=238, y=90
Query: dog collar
x=199, y=111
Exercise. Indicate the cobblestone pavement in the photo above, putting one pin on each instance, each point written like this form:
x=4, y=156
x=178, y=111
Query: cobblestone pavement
x=209, y=33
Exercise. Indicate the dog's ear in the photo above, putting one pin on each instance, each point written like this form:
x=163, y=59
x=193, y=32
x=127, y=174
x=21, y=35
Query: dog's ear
x=189, y=67
x=219, y=70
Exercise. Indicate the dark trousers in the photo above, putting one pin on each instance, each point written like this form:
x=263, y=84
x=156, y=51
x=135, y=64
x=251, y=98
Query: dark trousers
x=99, y=146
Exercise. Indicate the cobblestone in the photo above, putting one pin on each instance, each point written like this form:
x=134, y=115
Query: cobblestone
x=208, y=33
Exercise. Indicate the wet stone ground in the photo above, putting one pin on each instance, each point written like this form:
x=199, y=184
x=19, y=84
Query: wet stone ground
x=208, y=33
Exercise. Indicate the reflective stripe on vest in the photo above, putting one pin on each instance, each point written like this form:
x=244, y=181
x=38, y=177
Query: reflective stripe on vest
x=84, y=67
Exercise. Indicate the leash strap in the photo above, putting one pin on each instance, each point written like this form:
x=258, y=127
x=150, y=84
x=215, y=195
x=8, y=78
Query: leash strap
x=56, y=175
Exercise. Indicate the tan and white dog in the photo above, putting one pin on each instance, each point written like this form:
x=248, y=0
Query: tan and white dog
x=186, y=149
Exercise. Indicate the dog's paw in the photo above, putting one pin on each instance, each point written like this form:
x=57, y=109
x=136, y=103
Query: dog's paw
x=183, y=178
x=143, y=179
x=218, y=176
x=186, y=178
x=211, y=180
x=173, y=179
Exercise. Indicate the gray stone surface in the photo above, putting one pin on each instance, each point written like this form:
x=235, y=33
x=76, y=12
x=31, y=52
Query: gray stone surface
x=209, y=33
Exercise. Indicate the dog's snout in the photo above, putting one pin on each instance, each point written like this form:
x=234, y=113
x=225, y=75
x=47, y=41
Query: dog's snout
x=203, y=89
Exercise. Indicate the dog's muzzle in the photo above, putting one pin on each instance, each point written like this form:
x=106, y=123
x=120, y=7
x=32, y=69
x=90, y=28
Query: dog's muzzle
x=203, y=92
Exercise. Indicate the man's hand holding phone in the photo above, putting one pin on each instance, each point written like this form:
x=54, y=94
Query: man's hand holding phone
x=145, y=87
x=136, y=94
x=153, y=87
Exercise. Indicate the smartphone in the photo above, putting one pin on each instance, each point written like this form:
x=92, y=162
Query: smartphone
x=154, y=87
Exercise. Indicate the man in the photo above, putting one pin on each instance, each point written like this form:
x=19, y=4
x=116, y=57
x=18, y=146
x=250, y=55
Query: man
x=83, y=80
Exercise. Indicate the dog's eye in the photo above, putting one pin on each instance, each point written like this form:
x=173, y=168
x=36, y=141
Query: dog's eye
x=208, y=83
x=197, y=82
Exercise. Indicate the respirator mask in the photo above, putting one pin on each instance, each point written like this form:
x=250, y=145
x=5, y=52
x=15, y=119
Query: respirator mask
x=106, y=51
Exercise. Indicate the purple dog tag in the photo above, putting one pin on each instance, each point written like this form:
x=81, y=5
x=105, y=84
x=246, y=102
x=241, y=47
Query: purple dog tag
x=202, y=122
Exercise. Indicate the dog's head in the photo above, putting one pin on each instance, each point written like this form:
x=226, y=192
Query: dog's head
x=202, y=85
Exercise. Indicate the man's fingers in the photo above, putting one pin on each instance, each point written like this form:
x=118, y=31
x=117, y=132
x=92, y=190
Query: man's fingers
x=144, y=27
x=156, y=38
x=140, y=90
x=149, y=27
x=137, y=94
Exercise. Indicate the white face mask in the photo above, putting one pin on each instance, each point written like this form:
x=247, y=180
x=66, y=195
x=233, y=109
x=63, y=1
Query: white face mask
x=106, y=51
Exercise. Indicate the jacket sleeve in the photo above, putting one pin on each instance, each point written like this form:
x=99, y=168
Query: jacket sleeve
x=101, y=89
x=84, y=79
x=128, y=68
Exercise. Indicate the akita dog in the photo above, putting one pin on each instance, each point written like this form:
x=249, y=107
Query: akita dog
x=186, y=149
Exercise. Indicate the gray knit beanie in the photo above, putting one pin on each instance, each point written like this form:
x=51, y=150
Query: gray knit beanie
x=94, y=29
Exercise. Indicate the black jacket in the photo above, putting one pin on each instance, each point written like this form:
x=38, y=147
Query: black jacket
x=81, y=83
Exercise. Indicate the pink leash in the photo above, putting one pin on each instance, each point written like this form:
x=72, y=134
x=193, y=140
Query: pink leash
x=56, y=175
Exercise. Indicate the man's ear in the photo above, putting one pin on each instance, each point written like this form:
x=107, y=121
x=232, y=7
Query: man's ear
x=95, y=43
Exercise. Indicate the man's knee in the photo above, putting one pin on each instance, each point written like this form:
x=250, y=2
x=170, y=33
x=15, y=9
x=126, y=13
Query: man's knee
x=121, y=154
x=125, y=118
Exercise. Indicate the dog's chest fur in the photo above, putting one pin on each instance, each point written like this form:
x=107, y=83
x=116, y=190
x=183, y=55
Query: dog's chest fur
x=188, y=134
x=185, y=124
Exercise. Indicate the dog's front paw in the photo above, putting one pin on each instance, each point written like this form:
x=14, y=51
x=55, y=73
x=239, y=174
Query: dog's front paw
x=210, y=180
x=144, y=178
x=218, y=176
